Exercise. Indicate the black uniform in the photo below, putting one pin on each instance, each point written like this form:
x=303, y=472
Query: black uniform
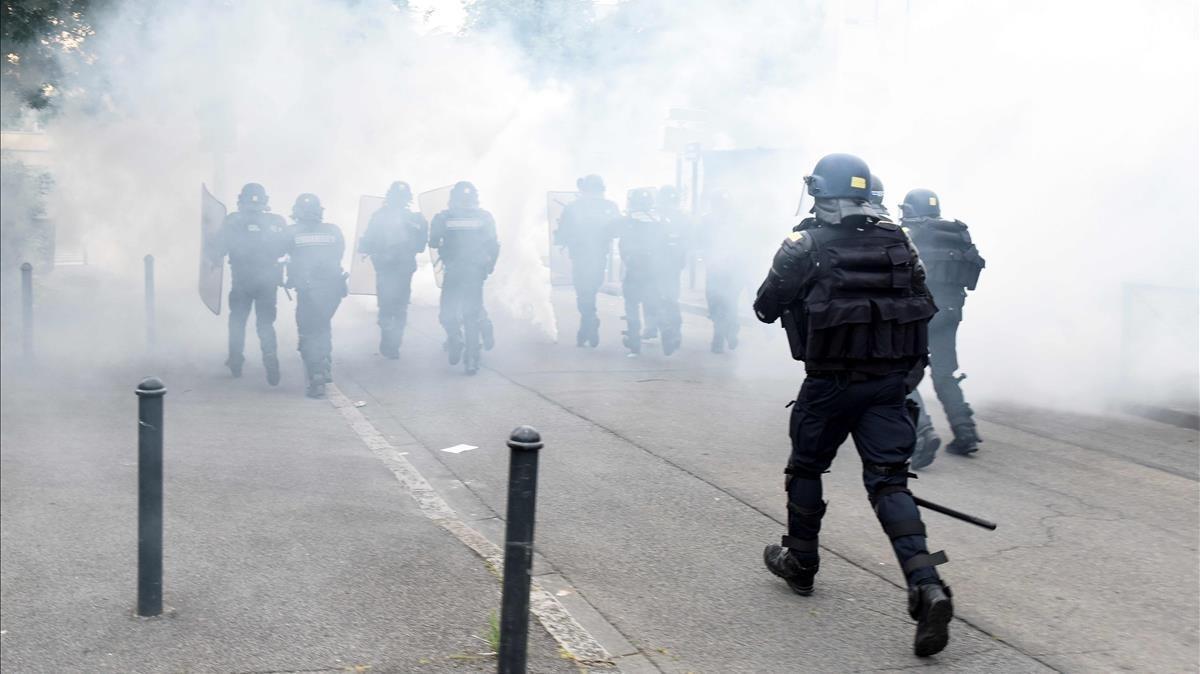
x=465, y=238
x=315, y=271
x=255, y=242
x=672, y=258
x=394, y=237
x=642, y=237
x=586, y=229
x=724, y=274
x=953, y=265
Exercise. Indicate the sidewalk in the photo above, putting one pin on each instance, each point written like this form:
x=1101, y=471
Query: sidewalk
x=288, y=545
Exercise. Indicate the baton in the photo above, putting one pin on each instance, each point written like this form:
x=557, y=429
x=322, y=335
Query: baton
x=970, y=519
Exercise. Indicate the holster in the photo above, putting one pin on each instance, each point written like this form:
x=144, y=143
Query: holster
x=795, y=333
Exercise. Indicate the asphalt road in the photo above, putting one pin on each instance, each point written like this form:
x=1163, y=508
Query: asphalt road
x=661, y=481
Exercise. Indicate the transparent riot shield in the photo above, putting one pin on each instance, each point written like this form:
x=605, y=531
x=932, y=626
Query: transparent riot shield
x=431, y=203
x=557, y=258
x=212, y=276
x=362, y=272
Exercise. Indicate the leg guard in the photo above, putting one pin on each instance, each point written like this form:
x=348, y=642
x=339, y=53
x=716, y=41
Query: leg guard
x=887, y=489
x=806, y=508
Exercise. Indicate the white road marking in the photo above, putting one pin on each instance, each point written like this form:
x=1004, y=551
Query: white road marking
x=569, y=634
x=459, y=449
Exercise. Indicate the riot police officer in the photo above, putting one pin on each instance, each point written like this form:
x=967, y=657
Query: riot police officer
x=586, y=230
x=255, y=241
x=672, y=258
x=640, y=235
x=315, y=270
x=724, y=269
x=953, y=265
x=394, y=237
x=850, y=290
x=927, y=439
x=465, y=237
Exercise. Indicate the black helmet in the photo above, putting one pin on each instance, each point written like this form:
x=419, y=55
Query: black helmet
x=307, y=208
x=640, y=200
x=921, y=203
x=840, y=176
x=399, y=194
x=253, y=197
x=464, y=195
x=590, y=184
x=668, y=196
x=876, y=190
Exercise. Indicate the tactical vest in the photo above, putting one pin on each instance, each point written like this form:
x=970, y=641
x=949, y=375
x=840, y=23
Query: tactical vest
x=862, y=303
x=946, y=249
x=315, y=258
x=586, y=226
x=256, y=242
x=468, y=241
x=396, y=234
x=640, y=243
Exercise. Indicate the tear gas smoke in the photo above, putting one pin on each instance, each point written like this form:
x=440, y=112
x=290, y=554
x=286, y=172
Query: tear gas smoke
x=1058, y=131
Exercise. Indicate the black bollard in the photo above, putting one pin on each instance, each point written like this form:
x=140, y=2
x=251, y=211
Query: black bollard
x=518, y=549
x=150, y=496
x=27, y=309
x=149, y=264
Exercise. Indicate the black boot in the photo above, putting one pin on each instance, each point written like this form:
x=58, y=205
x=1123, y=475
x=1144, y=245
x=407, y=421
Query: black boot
x=966, y=440
x=471, y=360
x=454, y=349
x=235, y=366
x=799, y=575
x=316, y=385
x=488, y=334
x=930, y=606
x=271, y=364
x=926, y=448
x=718, y=342
x=593, y=335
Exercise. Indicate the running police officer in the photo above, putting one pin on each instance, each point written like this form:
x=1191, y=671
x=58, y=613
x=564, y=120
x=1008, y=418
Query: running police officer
x=640, y=235
x=850, y=291
x=952, y=266
x=394, y=237
x=465, y=237
x=315, y=270
x=586, y=230
x=255, y=241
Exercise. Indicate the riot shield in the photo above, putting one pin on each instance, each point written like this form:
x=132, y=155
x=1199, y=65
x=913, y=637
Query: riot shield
x=431, y=203
x=212, y=276
x=362, y=272
x=556, y=257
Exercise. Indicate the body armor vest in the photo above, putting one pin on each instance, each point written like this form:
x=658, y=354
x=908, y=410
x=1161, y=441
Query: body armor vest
x=586, y=226
x=864, y=302
x=316, y=257
x=256, y=242
x=946, y=249
x=467, y=239
x=396, y=237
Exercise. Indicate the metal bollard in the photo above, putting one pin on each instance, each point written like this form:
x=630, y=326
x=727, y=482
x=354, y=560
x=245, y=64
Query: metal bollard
x=150, y=321
x=150, y=496
x=518, y=549
x=27, y=309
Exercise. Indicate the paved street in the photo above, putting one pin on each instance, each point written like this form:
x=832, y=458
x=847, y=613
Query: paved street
x=291, y=546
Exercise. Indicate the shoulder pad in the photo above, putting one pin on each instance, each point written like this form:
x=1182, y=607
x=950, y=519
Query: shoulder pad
x=798, y=242
x=885, y=223
x=806, y=223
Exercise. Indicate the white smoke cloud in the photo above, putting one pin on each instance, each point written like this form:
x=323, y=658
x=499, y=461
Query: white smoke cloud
x=1064, y=133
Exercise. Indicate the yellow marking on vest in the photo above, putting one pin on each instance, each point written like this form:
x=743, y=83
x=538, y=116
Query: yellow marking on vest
x=796, y=236
x=933, y=201
x=858, y=183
